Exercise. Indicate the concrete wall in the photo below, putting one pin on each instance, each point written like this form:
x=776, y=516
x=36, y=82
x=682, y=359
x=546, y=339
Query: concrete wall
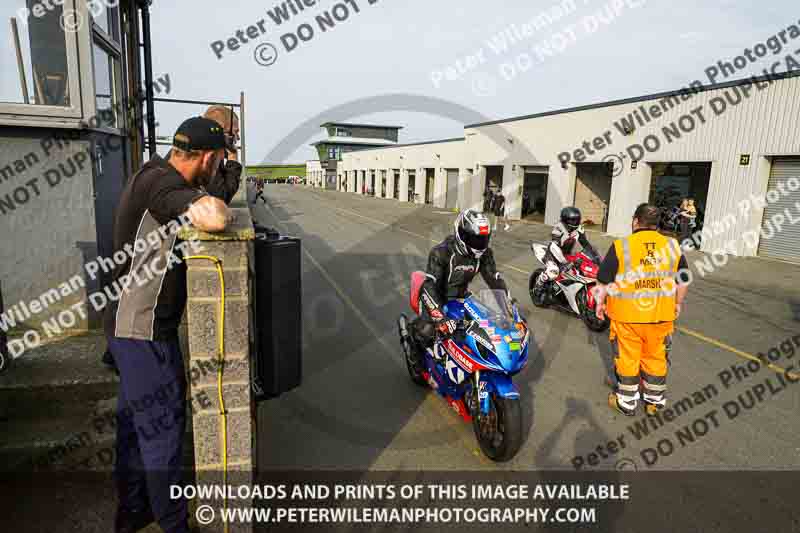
x=46, y=240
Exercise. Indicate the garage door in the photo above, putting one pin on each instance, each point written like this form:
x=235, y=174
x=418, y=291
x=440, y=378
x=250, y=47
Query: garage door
x=786, y=243
x=593, y=193
x=451, y=201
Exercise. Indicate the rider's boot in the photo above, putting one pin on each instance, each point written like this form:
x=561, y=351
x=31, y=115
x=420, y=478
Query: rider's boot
x=408, y=343
x=540, y=292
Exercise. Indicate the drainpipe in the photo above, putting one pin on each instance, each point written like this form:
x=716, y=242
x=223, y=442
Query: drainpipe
x=144, y=5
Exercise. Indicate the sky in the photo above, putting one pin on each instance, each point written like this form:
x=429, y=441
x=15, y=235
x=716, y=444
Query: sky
x=386, y=62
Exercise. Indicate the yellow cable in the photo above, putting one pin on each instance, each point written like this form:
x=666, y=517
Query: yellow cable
x=221, y=362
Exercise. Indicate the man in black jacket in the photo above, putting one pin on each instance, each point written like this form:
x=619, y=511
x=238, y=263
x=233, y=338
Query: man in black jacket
x=452, y=264
x=226, y=182
x=223, y=185
x=142, y=321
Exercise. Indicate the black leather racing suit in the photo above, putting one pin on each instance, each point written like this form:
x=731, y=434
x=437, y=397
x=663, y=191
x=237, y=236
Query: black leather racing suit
x=448, y=277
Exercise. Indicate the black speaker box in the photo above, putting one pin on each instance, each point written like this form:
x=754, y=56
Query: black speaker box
x=278, y=314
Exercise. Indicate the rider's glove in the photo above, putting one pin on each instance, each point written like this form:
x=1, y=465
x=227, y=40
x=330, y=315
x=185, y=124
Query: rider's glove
x=447, y=327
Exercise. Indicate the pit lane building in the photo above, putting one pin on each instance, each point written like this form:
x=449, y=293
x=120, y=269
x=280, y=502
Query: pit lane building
x=722, y=145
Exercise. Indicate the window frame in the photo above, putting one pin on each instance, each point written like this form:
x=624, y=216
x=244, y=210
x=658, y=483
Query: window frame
x=114, y=49
x=13, y=113
x=80, y=65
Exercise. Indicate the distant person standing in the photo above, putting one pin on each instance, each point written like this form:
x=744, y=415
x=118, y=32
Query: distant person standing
x=260, y=191
x=688, y=218
x=499, y=205
x=487, y=201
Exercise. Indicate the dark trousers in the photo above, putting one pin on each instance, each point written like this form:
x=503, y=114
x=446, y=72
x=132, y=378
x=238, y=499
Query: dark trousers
x=151, y=418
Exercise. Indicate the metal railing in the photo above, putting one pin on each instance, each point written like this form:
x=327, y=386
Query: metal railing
x=241, y=146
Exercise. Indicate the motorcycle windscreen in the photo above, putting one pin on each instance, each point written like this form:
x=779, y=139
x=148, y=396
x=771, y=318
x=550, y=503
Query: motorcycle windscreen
x=492, y=309
x=492, y=305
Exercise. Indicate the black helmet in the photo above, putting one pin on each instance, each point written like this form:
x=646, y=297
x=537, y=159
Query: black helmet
x=472, y=233
x=571, y=217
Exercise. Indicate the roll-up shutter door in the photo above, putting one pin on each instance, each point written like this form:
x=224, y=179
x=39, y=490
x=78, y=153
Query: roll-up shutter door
x=451, y=201
x=783, y=244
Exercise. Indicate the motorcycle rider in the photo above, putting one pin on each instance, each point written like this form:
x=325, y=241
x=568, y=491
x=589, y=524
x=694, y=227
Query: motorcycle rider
x=563, y=238
x=452, y=264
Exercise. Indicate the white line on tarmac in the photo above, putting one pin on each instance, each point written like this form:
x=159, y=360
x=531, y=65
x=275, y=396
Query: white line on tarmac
x=346, y=299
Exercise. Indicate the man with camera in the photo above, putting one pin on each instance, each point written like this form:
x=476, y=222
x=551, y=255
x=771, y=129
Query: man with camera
x=225, y=184
x=141, y=324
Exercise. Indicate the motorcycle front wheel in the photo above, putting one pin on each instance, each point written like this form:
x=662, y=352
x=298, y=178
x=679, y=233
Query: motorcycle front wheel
x=414, y=372
x=588, y=316
x=499, y=432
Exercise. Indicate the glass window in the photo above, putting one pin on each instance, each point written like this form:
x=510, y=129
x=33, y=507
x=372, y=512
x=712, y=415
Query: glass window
x=105, y=19
x=33, y=53
x=106, y=83
x=341, y=132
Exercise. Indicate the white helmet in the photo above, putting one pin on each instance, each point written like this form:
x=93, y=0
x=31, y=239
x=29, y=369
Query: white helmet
x=473, y=231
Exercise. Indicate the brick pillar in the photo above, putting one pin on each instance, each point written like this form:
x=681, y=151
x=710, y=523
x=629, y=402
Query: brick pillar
x=234, y=248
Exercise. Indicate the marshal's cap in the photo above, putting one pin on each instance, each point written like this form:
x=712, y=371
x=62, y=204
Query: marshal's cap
x=198, y=133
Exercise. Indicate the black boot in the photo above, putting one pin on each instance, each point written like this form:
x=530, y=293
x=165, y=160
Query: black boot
x=408, y=342
x=540, y=294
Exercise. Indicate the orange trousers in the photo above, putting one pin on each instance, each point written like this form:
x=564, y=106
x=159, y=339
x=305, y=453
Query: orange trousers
x=641, y=352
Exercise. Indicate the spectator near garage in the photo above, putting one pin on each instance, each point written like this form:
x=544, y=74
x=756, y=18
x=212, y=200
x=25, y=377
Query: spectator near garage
x=500, y=204
x=142, y=324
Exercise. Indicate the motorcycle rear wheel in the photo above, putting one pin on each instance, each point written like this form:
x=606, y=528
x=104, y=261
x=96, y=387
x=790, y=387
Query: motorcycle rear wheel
x=588, y=316
x=499, y=432
x=532, y=289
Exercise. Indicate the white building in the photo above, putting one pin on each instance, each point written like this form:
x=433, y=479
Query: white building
x=315, y=174
x=721, y=145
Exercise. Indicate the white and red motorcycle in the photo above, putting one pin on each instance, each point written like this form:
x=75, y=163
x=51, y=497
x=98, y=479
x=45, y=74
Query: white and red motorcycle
x=571, y=291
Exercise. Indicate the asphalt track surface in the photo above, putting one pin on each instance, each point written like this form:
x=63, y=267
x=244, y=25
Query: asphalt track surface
x=357, y=409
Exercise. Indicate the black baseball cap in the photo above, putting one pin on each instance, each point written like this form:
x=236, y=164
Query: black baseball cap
x=198, y=133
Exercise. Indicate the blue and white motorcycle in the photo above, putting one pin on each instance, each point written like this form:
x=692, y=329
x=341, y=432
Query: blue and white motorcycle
x=472, y=369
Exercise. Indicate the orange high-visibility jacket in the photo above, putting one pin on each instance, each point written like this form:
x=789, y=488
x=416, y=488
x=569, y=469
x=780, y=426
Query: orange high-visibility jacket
x=644, y=289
